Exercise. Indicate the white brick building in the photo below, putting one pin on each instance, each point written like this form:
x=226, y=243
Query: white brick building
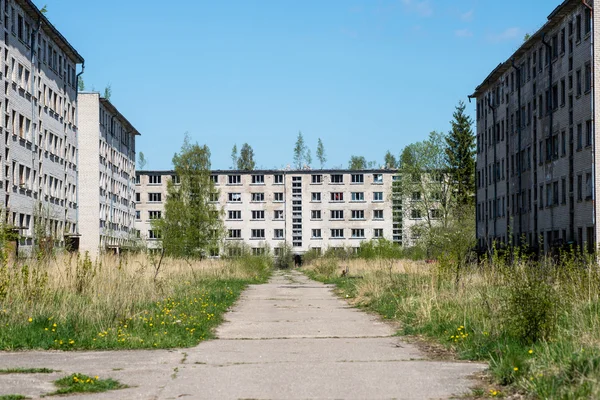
x=38, y=102
x=106, y=175
x=307, y=209
x=536, y=136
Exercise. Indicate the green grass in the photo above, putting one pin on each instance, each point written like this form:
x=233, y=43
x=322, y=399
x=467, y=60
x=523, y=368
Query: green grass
x=79, y=383
x=476, y=321
x=181, y=320
x=7, y=371
x=13, y=397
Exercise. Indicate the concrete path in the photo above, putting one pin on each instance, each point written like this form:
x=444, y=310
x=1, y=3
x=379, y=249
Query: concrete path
x=288, y=339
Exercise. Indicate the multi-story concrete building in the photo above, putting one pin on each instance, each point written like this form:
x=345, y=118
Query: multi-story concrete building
x=536, y=147
x=38, y=106
x=307, y=209
x=107, y=176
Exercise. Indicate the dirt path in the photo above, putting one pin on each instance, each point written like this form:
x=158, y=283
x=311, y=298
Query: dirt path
x=289, y=338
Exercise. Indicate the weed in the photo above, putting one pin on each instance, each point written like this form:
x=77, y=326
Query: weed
x=7, y=371
x=13, y=397
x=80, y=383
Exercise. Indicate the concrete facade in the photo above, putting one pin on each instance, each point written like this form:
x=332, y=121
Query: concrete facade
x=536, y=142
x=107, y=202
x=308, y=209
x=38, y=108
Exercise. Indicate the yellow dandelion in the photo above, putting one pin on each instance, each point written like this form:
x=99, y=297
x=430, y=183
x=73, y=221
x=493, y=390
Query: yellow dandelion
x=516, y=369
x=30, y=319
x=530, y=351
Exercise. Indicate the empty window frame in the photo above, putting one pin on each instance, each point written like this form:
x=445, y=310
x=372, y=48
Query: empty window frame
x=336, y=178
x=377, y=233
x=154, y=179
x=257, y=234
x=315, y=196
x=316, y=234
x=278, y=214
x=378, y=178
x=258, y=179
x=315, y=214
x=258, y=214
x=234, y=215
x=278, y=234
x=358, y=214
x=357, y=196
x=337, y=233
x=377, y=196
x=278, y=196
x=337, y=196
x=316, y=179
x=234, y=197
x=154, y=197
x=234, y=179
x=258, y=197
x=378, y=214
x=234, y=234
x=278, y=179
x=154, y=214
x=357, y=178
x=358, y=233
x=337, y=214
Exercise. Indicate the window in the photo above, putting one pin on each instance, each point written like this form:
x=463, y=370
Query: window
x=258, y=251
x=358, y=178
x=587, y=77
x=257, y=234
x=588, y=186
x=234, y=214
x=234, y=197
x=258, y=214
x=278, y=196
x=278, y=233
x=378, y=178
x=587, y=23
x=278, y=214
x=278, y=179
x=234, y=179
x=258, y=197
x=358, y=196
x=337, y=233
x=337, y=214
x=377, y=214
x=213, y=197
x=415, y=214
x=315, y=214
x=579, y=136
x=154, y=197
x=214, y=179
x=377, y=196
x=316, y=196
x=436, y=214
x=337, y=178
x=154, y=214
x=234, y=234
x=358, y=214
x=176, y=179
x=377, y=233
x=154, y=179
x=138, y=198
x=337, y=196
x=152, y=234
x=588, y=133
x=564, y=190
x=258, y=179
x=316, y=234
x=578, y=82
x=579, y=187
x=317, y=179
x=138, y=214
x=358, y=233
x=416, y=196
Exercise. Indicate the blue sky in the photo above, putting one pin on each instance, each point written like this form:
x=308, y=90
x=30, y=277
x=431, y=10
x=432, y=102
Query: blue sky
x=365, y=76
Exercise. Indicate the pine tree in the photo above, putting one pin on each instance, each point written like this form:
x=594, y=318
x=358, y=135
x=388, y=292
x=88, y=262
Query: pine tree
x=460, y=155
x=390, y=161
x=246, y=160
x=321, y=153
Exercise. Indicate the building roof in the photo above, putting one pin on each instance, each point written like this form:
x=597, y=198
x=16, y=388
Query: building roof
x=30, y=8
x=554, y=19
x=277, y=171
x=110, y=107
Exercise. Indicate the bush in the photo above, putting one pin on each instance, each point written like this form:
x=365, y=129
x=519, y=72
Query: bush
x=285, y=259
x=326, y=267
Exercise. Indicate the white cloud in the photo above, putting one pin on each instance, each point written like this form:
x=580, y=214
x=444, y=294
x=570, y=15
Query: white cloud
x=463, y=33
x=421, y=7
x=506, y=35
x=468, y=16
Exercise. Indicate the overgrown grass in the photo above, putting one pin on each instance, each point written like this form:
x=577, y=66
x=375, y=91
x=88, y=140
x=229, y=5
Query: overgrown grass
x=13, y=397
x=119, y=303
x=536, y=323
x=80, y=383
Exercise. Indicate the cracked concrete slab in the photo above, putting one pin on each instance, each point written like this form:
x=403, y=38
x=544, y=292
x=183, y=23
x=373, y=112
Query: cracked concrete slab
x=288, y=339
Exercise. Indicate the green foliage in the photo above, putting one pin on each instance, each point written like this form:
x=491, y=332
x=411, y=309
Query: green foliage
x=85, y=272
x=108, y=92
x=191, y=226
x=13, y=397
x=390, y=161
x=460, y=155
x=321, y=156
x=326, y=266
x=44, y=9
x=7, y=371
x=379, y=249
x=357, y=163
x=246, y=160
x=80, y=383
x=80, y=84
x=300, y=150
x=234, y=157
x=285, y=258
x=141, y=161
